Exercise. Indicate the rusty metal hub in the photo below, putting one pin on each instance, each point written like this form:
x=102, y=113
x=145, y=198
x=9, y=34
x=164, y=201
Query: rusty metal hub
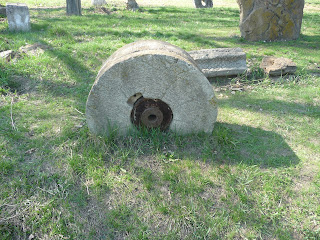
x=151, y=113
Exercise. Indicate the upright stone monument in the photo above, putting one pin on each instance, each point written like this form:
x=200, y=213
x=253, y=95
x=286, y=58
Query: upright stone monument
x=18, y=17
x=151, y=84
x=270, y=20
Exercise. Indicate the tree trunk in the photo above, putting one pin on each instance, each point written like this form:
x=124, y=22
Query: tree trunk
x=203, y=3
x=73, y=7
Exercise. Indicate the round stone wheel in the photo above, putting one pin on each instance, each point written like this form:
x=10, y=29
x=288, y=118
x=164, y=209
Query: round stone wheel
x=175, y=93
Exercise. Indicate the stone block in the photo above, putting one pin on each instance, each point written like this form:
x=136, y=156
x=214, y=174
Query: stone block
x=153, y=84
x=220, y=61
x=278, y=66
x=18, y=17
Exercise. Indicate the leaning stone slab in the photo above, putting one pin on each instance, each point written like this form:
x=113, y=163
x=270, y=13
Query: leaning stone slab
x=270, y=20
x=220, y=61
x=278, y=66
x=18, y=17
x=152, y=84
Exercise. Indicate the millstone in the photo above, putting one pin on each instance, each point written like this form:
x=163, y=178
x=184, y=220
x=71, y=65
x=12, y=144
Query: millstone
x=150, y=84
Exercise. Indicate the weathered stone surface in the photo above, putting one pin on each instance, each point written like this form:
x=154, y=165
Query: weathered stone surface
x=220, y=61
x=156, y=70
x=98, y=2
x=7, y=55
x=270, y=20
x=278, y=66
x=132, y=5
x=3, y=11
x=18, y=17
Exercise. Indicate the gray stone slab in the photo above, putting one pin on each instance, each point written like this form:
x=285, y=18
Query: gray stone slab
x=156, y=70
x=220, y=61
x=18, y=17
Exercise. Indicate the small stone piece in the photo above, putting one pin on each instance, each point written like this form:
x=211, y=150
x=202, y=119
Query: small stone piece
x=33, y=49
x=153, y=84
x=3, y=11
x=98, y=2
x=18, y=17
x=278, y=66
x=220, y=61
x=270, y=20
x=7, y=55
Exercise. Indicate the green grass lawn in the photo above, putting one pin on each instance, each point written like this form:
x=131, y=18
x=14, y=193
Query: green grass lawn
x=257, y=176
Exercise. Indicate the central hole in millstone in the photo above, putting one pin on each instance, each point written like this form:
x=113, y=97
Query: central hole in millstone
x=149, y=112
x=152, y=118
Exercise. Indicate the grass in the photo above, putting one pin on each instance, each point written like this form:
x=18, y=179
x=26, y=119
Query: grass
x=255, y=177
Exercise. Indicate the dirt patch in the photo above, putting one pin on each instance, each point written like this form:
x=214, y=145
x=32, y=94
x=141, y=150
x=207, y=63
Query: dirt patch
x=20, y=84
x=305, y=178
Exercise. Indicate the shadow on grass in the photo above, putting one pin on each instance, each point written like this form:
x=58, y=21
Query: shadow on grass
x=272, y=107
x=228, y=144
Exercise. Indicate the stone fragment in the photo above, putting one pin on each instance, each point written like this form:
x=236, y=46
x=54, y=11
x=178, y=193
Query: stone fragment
x=7, y=55
x=33, y=49
x=98, y=2
x=3, y=11
x=220, y=61
x=278, y=66
x=270, y=20
x=154, y=84
x=18, y=17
